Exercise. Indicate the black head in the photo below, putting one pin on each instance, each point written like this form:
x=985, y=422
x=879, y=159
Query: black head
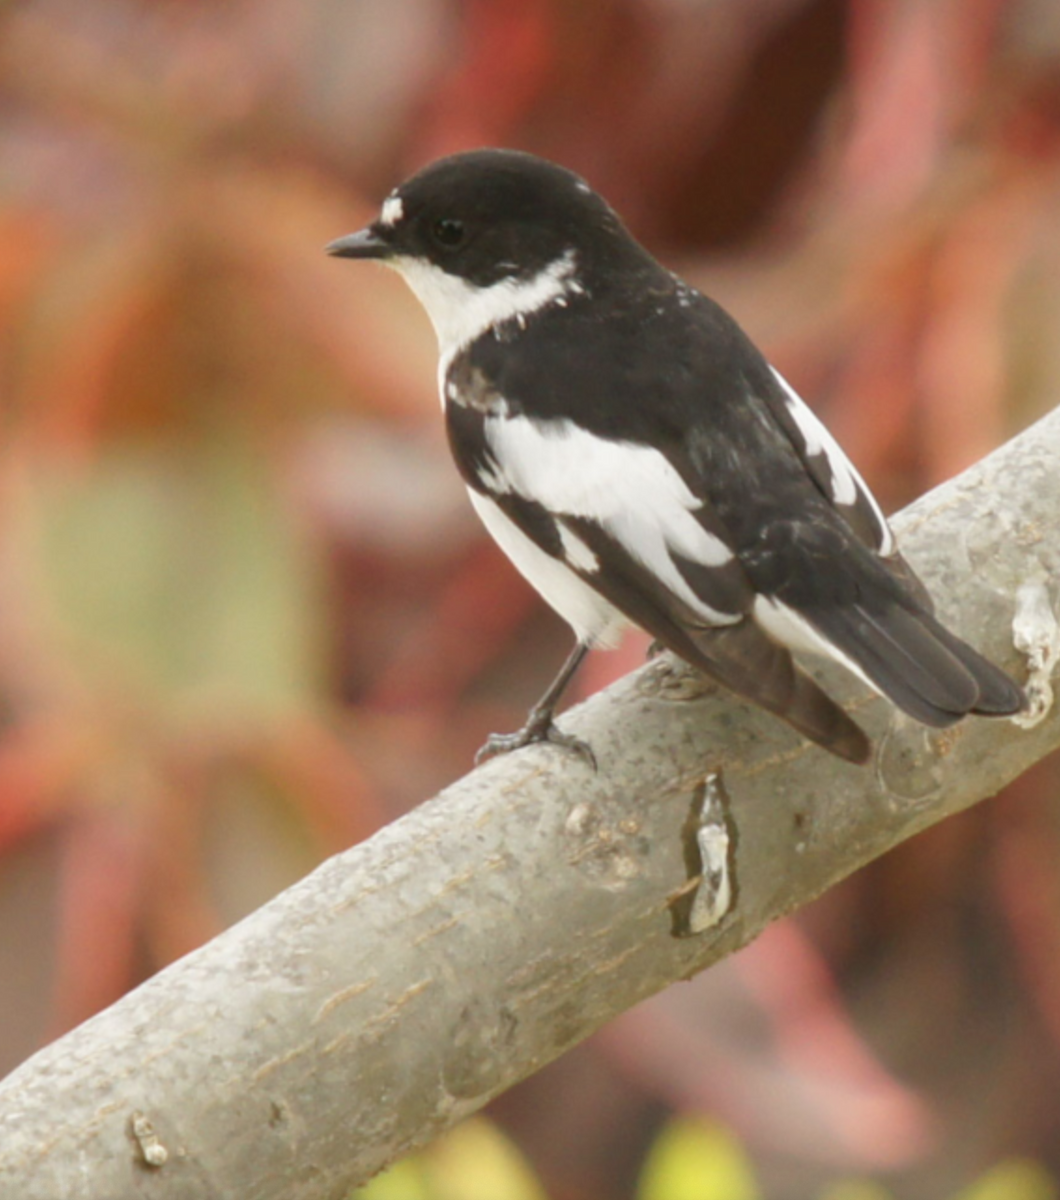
x=490, y=215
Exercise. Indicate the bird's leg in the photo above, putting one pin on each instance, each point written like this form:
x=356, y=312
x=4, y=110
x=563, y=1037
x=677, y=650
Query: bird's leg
x=539, y=726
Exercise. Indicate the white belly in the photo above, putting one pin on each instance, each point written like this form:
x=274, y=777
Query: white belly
x=592, y=618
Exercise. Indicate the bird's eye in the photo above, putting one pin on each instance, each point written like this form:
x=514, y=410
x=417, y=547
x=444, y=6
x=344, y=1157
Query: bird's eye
x=448, y=232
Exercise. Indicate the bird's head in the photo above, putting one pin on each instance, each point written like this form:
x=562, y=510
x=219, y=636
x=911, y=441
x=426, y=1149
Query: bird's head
x=493, y=233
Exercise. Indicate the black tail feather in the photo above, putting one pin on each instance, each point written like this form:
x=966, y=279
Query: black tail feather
x=918, y=664
x=999, y=695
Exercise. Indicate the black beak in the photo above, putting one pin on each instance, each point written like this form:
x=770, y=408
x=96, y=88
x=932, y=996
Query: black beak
x=365, y=243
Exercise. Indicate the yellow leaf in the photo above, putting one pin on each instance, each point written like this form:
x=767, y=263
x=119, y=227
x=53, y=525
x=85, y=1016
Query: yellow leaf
x=403, y=1181
x=696, y=1160
x=475, y=1161
x=1014, y=1179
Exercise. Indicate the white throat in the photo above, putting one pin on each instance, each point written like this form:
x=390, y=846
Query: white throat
x=461, y=312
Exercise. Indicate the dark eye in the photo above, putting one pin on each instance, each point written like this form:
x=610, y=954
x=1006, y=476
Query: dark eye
x=448, y=232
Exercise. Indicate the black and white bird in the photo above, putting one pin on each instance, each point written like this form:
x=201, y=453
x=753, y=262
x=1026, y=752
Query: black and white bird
x=640, y=462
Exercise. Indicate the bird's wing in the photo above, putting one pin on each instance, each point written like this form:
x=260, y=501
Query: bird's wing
x=828, y=466
x=624, y=520
x=868, y=610
x=839, y=481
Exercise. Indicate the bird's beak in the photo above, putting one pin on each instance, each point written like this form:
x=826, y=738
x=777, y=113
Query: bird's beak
x=365, y=243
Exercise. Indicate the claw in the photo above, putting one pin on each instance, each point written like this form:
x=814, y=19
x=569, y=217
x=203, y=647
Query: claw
x=539, y=726
x=533, y=733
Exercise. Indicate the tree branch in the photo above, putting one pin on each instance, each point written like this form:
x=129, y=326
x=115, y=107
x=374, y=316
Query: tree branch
x=407, y=981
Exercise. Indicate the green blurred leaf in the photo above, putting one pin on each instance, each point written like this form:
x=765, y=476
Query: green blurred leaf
x=181, y=570
x=696, y=1160
x=1015, y=1179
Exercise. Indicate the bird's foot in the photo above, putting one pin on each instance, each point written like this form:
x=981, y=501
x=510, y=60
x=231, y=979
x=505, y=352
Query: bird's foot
x=654, y=650
x=539, y=728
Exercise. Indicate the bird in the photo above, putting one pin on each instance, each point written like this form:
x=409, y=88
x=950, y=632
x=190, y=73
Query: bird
x=641, y=463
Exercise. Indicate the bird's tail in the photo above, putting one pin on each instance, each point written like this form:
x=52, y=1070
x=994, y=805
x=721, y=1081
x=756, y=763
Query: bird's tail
x=752, y=665
x=916, y=662
x=818, y=717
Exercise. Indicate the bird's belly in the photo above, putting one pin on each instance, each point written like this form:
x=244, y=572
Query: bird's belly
x=592, y=618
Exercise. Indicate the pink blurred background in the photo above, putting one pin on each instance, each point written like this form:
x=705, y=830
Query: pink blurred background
x=246, y=614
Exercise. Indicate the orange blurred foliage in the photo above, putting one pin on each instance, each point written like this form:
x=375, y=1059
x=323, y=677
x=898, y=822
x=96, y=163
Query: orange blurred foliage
x=246, y=617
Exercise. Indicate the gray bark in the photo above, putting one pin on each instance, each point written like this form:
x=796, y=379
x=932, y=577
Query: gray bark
x=408, y=980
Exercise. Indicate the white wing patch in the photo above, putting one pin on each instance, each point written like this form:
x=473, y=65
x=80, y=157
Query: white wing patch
x=575, y=551
x=847, y=484
x=632, y=492
x=592, y=618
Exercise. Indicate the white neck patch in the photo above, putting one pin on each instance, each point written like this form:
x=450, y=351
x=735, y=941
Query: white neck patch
x=461, y=312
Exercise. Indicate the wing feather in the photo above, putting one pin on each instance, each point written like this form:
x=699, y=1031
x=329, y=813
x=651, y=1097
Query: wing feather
x=625, y=522
x=840, y=481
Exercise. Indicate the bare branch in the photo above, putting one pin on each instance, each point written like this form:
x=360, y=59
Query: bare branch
x=408, y=980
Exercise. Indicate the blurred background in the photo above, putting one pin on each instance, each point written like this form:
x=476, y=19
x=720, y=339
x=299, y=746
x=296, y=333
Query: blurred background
x=247, y=616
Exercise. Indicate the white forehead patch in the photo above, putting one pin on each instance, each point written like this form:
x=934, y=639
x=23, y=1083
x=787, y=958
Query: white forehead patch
x=392, y=211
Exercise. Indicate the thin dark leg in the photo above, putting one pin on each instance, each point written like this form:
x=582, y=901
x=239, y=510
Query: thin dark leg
x=539, y=726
